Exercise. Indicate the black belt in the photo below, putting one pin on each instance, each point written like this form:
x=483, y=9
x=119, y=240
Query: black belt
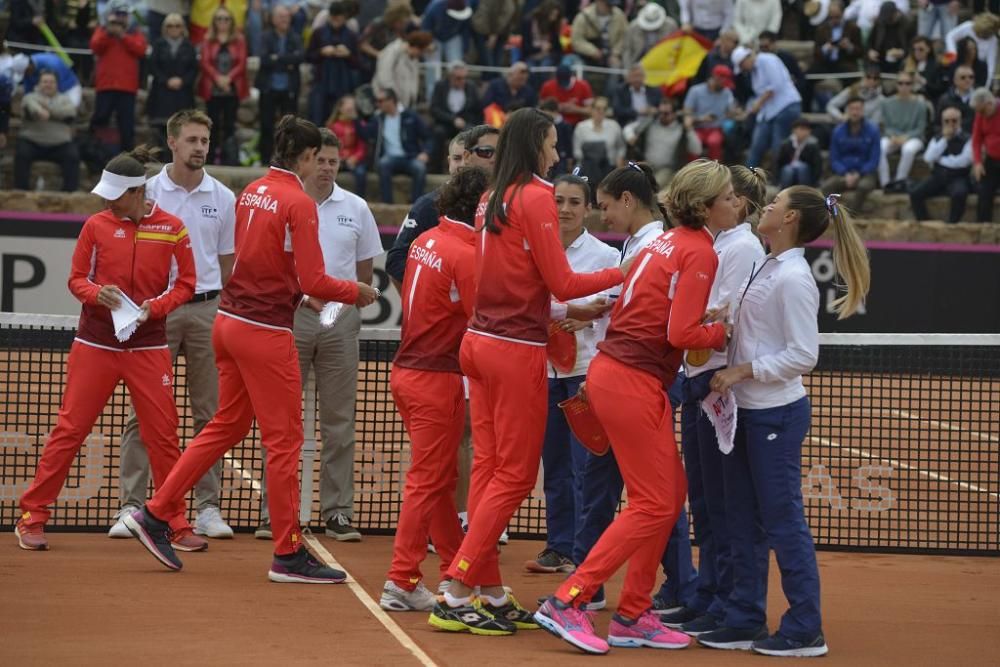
x=204, y=296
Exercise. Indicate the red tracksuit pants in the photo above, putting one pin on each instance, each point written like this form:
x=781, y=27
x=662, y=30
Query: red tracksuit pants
x=432, y=405
x=258, y=375
x=634, y=410
x=92, y=373
x=508, y=392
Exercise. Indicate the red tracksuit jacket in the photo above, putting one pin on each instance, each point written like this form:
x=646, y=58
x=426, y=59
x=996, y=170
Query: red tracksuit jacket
x=277, y=240
x=659, y=312
x=438, y=292
x=117, y=59
x=521, y=268
x=148, y=260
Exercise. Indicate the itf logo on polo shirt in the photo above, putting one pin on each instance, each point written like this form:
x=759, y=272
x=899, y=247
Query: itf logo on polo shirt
x=345, y=220
x=209, y=211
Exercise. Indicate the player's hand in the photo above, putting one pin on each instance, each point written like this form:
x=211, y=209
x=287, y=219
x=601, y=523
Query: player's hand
x=572, y=325
x=146, y=308
x=716, y=314
x=109, y=296
x=978, y=171
x=724, y=379
x=367, y=295
x=312, y=304
x=590, y=311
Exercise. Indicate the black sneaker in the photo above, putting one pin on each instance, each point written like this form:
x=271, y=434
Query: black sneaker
x=676, y=619
x=733, y=639
x=662, y=605
x=550, y=561
x=469, y=618
x=513, y=612
x=155, y=536
x=779, y=645
x=703, y=624
x=339, y=528
x=263, y=531
x=303, y=568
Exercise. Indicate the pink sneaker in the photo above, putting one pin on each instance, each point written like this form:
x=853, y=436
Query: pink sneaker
x=571, y=624
x=186, y=540
x=646, y=631
x=30, y=538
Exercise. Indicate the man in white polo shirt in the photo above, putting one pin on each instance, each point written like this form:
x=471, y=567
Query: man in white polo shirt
x=208, y=209
x=350, y=241
x=776, y=105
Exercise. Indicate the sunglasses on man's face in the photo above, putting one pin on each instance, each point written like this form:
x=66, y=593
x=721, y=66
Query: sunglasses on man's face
x=485, y=152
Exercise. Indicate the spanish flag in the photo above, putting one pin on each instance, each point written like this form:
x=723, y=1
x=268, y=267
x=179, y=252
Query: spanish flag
x=674, y=60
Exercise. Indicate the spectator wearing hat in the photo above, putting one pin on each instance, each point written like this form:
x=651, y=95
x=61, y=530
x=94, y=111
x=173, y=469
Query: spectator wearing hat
x=949, y=155
x=800, y=161
x=777, y=103
x=119, y=47
x=854, y=156
x=398, y=66
x=47, y=134
x=511, y=92
x=985, y=151
x=332, y=50
x=448, y=22
x=574, y=95
x=174, y=66
x=278, y=79
x=707, y=106
x=650, y=25
x=454, y=107
x=663, y=142
x=752, y=17
x=598, y=34
x=28, y=68
x=633, y=98
x=904, y=121
x=706, y=17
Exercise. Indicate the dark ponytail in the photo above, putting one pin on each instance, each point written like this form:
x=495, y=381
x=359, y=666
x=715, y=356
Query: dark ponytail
x=638, y=179
x=518, y=149
x=134, y=162
x=292, y=137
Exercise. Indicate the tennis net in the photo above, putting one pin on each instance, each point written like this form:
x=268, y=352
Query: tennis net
x=903, y=454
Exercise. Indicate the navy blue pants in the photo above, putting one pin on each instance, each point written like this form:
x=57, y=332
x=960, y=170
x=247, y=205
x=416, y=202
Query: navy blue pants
x=563, y=460
x=706, y=497
x=602, y=490
x=763, y=478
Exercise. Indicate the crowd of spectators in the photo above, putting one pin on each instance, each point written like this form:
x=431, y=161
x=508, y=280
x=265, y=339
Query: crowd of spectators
x=890, y=84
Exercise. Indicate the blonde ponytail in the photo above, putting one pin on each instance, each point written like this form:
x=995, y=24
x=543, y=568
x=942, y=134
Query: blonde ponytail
x=850, y=260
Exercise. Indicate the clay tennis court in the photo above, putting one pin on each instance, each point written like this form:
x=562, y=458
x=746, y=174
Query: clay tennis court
x=895, y=461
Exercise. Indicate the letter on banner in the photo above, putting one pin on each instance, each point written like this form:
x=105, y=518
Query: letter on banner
x=721, y=411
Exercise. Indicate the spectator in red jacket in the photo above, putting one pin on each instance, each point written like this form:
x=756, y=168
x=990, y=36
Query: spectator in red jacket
x=223, y=81
x=985, y=151
x=344, y=122
x=574, y=95
x=118, y=47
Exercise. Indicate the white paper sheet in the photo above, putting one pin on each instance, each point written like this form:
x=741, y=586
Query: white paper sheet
x=721, y=411
x=328, y=316
x=125, y=318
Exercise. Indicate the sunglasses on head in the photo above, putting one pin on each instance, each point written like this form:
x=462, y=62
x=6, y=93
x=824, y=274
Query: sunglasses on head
x=484, y=151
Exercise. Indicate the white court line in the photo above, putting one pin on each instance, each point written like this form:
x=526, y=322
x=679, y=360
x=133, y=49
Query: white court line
x=356, y=588
x=903, y=414
x=904, y=466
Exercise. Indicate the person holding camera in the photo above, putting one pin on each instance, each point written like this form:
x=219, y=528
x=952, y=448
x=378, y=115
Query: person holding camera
x=119, y=46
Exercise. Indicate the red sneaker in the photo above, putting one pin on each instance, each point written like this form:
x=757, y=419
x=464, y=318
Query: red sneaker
x=31, y=537
x=186, y=540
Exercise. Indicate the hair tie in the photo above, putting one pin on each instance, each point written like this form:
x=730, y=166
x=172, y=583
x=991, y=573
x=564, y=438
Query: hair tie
x=753, y=170
x=633, y=165
x=576, y=172
x=831, y=204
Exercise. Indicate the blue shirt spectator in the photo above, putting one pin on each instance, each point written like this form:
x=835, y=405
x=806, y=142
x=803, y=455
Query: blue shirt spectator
x=855, y=148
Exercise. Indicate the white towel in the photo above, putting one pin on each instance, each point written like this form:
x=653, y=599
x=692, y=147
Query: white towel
x=328, y=316
x=125, y=318
x=721, y=411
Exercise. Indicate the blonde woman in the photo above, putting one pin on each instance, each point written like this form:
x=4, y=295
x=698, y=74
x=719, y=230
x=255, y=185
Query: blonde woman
x=223, y=79
x=775, y=342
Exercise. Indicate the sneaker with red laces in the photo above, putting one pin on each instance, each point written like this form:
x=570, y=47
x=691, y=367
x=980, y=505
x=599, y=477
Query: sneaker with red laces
x=186, y=540
x=571, y=624
x=30, y=537
x=647, y=630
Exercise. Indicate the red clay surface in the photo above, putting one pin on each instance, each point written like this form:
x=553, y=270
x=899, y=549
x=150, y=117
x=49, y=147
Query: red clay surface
x=92, y=600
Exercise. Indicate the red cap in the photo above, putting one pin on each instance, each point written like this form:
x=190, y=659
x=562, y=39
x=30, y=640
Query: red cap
x=724, y=75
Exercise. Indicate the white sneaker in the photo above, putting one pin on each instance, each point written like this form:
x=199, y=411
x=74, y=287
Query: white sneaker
x=120, y=530
x=395, y=598
x=210, y=524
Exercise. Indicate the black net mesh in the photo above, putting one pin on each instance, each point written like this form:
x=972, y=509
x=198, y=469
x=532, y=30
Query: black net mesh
x=903, y=454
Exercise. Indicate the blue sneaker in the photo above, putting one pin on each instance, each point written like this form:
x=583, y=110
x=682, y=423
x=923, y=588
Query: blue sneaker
x=302, y=567
x=703, y=624
x=155, y=536
x=733, y=639
x=779, y=645
x=676, y=619
x=664, y=605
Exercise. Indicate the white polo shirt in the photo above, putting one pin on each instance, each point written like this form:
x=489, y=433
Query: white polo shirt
x=587, y=254
x=776, y=330
x=738, y=251
x=209, y=213
x=769, y=73
x=347, y=233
